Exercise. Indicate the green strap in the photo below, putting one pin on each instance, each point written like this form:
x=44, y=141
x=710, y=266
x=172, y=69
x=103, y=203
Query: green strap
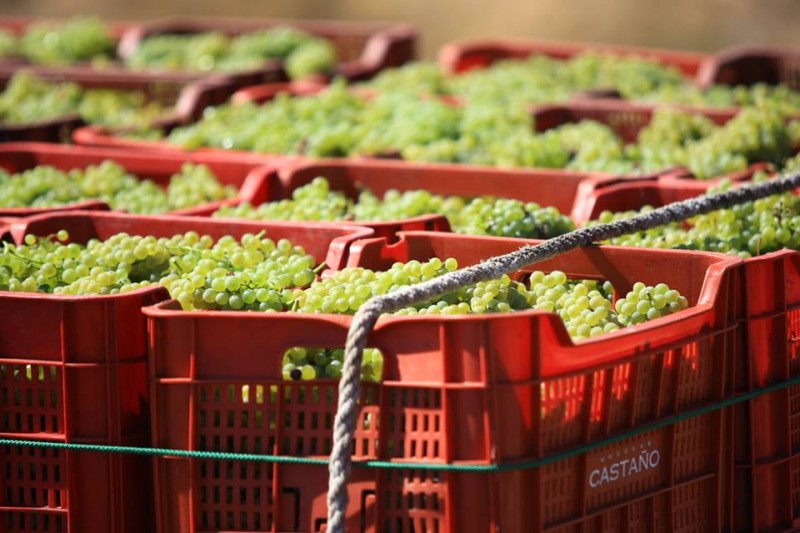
x=519, y=465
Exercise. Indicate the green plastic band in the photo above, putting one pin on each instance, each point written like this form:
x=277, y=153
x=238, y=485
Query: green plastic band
x=439, y=467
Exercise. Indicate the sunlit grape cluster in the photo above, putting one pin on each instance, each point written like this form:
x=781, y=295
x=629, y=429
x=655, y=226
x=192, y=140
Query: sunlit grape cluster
x=339, y=123
x=477, y=216
x=253, y=273
x=535, y=79
x=302, y=53
x=29, y=99
x=109, y=182
x=747, y=230
x=541, y=79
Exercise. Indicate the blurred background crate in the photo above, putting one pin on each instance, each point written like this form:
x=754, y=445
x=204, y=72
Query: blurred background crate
x=679, y=24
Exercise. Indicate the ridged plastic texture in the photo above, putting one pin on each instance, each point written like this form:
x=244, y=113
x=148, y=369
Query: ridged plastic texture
x=766, y=431
x=479, y=389
x=247, y=175
x=74, y=369
x=187, y=99
x=461, y=56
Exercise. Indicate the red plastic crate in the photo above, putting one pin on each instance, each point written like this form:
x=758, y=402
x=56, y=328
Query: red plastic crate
x=767, y=429
x=188, y=99
x=462, y=56
x=568, y=191
x=747, y=65
x=247, y=175
x=465, y=390
x=766, y=437
x=364, y=48
x=88, y=382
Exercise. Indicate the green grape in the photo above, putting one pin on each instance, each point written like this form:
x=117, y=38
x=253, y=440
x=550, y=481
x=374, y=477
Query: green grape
x=780, y=96
x=45, y=186
x=63, y=43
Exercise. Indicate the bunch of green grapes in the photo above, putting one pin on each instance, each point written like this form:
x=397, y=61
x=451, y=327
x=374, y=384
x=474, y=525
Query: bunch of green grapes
x=390, y=122
x=195, y=51
x=320, y=125
x=337, y=123
x=585, y=306
x=317, y=56
x=679, y=138
x=754, y=134
x=748, y=229
x=46, y=186
x=535, y=79
x=312, y=202
x=28, y=98
x=417, y=78
x=493, y=134
x=62, y=43
x=303, y=54
x=116, y=108
x=779, y=96
x=314, y=363
x=253, y=273
x=478, y=216
x=510, y=218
